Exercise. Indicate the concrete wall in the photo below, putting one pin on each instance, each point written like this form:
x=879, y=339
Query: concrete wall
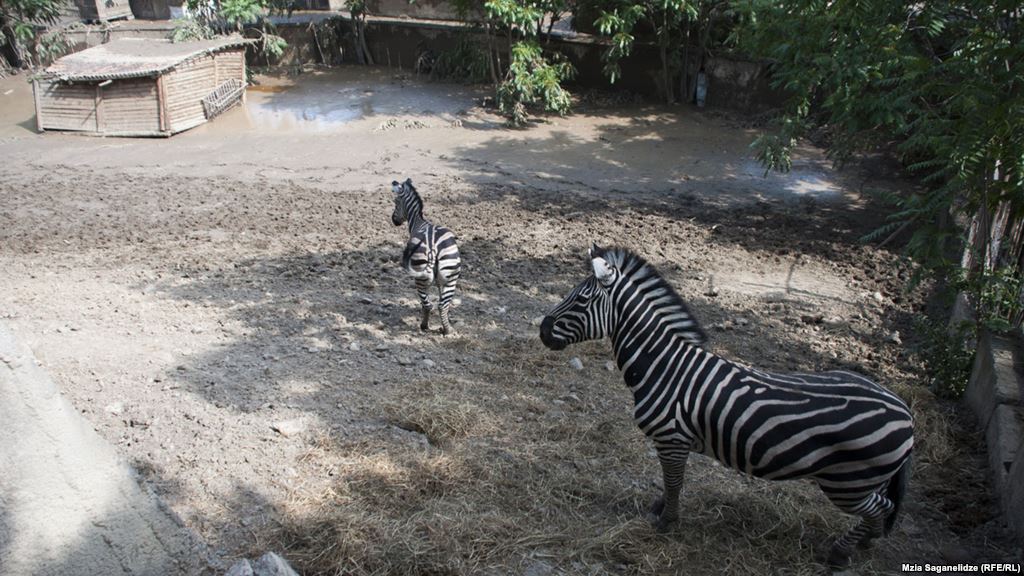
x=995, y=394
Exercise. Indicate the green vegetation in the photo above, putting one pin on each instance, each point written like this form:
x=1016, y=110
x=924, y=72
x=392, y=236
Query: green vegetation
x=938, y=83
x=20, y=23
x=526, y=75
x=675, y=26
x=243, y=16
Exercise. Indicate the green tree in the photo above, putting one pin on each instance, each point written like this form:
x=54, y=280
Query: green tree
x=20, y=21
x=243, y=16
x=525, y=74
x=942, y=83
x=674, y=26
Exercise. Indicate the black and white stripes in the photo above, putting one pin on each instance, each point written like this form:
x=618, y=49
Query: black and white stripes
x=431, y=255
x=846, y=433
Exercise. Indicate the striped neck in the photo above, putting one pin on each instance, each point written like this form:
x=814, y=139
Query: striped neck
x=413, y=206
x=647, y=316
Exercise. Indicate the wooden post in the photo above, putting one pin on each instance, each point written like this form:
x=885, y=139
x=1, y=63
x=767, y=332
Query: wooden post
x=161, y=102
x=244, y=82
x=97, y=101
x=39, y=105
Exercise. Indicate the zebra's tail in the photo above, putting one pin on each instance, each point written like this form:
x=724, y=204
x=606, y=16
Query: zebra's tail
x=895, y=491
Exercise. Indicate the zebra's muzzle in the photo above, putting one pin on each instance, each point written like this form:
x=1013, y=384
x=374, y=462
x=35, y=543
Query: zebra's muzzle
x=547, y=337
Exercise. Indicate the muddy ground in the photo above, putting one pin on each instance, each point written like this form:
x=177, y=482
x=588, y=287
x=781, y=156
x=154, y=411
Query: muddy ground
x=226, y=308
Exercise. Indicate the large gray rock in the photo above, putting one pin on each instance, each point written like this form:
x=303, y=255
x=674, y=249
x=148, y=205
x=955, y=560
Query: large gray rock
x=69, y=504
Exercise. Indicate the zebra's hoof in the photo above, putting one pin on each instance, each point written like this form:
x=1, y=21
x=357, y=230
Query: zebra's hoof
x=424, y=327
x=838, y=558
x=657, y=507
x=663, y=524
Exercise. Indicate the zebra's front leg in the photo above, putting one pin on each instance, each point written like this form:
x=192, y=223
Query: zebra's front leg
x=673, y=466
x=423, y=290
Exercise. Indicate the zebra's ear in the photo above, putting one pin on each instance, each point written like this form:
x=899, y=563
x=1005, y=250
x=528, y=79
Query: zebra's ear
x=603, y=271
x=408, y=182
x=594, y=250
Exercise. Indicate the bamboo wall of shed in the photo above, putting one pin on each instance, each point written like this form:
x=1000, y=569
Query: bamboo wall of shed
x=230, y=64
x=66, y=106
x=184, y=89
x=129, y=106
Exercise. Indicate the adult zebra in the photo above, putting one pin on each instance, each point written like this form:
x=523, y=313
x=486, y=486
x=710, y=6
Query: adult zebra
x=846, y=433
x=431, y=255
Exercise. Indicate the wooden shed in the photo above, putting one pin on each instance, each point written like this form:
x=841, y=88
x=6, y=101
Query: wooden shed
x=100, y=10
x=141, y=87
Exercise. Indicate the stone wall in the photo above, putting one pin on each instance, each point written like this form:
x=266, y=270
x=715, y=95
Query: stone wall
x=734, y=83
x=995, y=394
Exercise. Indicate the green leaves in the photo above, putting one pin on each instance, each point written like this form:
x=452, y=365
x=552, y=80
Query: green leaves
x=238, y=12
x=534, y=80
x=513, y=13
x=22, y=23
x=940, y=80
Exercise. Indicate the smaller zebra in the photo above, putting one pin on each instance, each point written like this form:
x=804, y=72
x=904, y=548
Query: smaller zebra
x=431, y=255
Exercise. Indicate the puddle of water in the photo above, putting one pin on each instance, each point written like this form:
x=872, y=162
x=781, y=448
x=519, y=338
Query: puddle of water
x=267, y=88
x=332, y=100
x=807, y=180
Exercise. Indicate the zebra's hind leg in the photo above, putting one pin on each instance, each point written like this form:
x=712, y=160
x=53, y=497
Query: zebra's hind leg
x=445, y=304
x=673, y=467
x=873, y=510
x=423, y=290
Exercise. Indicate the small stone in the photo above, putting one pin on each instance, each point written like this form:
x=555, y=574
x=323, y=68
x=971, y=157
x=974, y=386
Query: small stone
x=576, y=363
x=741, y=321
x=241, y=568
x=812, y=319
x=895, y=338
x=404, y=360
x=572, y=397
x=354, y=347
x=877, y=296
x=289, y=428
x=380, y=347
x=609, y=366
x=270, y=564
x=366, y=300
x=428, y=363
x=499, y=310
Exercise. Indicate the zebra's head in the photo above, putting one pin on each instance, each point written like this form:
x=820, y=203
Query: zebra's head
x=622, y=291
x=407, y=202
x=585, y=313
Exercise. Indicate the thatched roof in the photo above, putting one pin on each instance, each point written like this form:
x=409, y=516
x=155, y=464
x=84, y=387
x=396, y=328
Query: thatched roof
x=133, y=58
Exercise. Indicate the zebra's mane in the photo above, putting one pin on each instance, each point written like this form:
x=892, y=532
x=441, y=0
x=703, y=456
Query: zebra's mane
x=413, y=199
x=640, y=271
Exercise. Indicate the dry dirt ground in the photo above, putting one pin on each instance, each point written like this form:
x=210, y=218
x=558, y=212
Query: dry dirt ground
x=226, y=308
